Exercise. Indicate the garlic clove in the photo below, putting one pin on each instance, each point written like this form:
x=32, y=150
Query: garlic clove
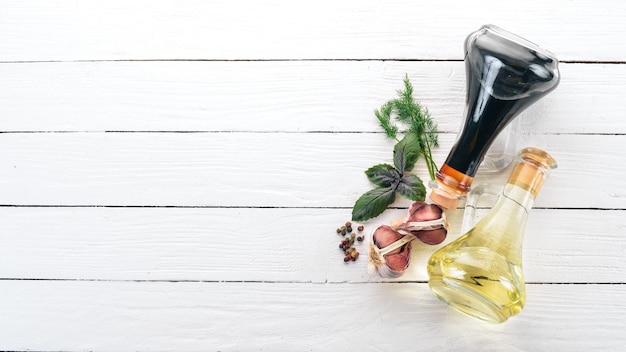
x=432, y=237
x=425, y=221
x=389, y=252
x=421, y=211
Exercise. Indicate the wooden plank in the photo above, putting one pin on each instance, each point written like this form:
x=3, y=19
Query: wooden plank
x=272, y=245
x=261, y=169
x=222, y=239
x=294, y=96
x=120, y=30
x=66, y=316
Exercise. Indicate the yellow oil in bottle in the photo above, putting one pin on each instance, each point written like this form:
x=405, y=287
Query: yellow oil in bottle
x=480, y=273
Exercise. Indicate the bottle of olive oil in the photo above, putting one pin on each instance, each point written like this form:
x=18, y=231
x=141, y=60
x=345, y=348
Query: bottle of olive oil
x=480, y=273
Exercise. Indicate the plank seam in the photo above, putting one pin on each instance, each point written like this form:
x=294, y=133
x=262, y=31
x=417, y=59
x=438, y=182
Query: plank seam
x=245, y=207
x=272, y=132
x=595, y=62
x=286, y=281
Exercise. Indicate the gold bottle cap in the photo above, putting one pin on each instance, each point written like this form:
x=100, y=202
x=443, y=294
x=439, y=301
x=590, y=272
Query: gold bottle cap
x=444, y=198
x=449, y=187
x=533, y=167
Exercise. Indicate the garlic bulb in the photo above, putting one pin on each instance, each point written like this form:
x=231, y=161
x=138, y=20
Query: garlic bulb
x=425, y=221
x=389, y=252
x=390, y=246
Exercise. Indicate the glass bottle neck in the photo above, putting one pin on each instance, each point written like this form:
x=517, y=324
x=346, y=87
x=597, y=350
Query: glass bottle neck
x=526, y=179
x=521, y=196
x=530, y=172
x=531, y=169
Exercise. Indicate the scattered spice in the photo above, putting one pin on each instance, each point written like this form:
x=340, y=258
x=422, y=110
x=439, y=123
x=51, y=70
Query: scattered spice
x=346, y=245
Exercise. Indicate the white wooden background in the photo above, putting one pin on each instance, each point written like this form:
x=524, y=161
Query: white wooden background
x=172, y=173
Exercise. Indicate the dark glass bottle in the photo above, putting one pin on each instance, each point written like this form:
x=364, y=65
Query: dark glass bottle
x=505, y=75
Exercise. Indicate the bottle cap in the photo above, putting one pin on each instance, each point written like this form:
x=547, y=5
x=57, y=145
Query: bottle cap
x=444, y=198
x=533, y=167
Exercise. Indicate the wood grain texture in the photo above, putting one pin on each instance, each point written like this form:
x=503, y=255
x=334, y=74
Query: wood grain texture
x=131, y=316
x=279, y=96
x=121, y=30
x=272, y=245
x=261, y=169
x=172, y=172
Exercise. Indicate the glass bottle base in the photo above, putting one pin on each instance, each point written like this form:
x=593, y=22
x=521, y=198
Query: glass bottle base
x=466, y=301
x=477, y=281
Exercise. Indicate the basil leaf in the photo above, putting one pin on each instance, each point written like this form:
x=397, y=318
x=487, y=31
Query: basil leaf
x=411, y=187
x=372, y=203
x=383, y=175
x=406, y=152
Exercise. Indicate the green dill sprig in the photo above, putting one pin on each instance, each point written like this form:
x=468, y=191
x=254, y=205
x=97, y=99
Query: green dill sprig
x=409, y=112
x=384, y=117
x=419, y=137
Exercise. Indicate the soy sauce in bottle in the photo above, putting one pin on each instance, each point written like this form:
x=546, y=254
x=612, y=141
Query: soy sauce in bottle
x=505, y=75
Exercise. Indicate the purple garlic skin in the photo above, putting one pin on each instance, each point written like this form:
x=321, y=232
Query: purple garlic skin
x=390, y=246
x=394, y=263
x=420, y=211
x=425, y=221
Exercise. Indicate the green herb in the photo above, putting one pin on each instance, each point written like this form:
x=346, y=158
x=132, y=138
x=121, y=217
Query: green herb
x=419, y=137
x=407, y=111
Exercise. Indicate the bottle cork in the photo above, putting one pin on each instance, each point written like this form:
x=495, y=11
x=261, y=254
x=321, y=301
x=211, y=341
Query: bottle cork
x=532, y=169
